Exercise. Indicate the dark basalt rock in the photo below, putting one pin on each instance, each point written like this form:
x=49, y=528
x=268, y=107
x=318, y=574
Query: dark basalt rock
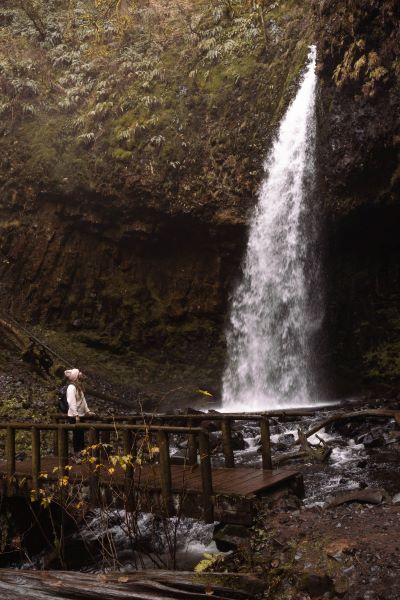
x=230, y=537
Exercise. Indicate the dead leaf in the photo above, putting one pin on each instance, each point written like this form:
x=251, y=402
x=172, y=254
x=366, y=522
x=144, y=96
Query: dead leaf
x=123, y=579
x=275, y=564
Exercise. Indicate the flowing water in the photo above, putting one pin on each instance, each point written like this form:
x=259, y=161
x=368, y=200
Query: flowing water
x=275, y=308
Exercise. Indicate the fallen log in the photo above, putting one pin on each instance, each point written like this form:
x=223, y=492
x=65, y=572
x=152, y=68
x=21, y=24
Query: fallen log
x=23, y=338
x=277, y=460
x=140, y=585
x=366, y=496
x=8, y=327
x=343, y=416
x=314, y=453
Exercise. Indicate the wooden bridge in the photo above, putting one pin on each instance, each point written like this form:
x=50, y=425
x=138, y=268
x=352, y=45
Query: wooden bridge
x=128, y=460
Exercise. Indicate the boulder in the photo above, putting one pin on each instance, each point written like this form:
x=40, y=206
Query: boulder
x=316, y=585
x=230, y=537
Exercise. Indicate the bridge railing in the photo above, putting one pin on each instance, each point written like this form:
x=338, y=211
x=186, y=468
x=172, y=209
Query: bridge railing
x=226, y=422
x=126, y=432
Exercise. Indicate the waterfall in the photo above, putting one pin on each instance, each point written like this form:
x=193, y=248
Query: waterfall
x=272, y=317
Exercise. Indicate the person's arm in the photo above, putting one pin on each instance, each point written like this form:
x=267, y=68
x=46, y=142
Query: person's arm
x=86, y=408
x=71, y=399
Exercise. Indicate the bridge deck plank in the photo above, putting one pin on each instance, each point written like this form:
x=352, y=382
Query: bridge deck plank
x=240, y=481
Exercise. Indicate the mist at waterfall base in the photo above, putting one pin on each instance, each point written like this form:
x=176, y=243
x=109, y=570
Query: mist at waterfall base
x=276, y=308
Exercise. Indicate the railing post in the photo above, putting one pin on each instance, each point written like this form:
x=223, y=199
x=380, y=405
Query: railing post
x=94, y=473
x=206, y=477
x=227, y=443
x=10, y=458
x=62, y=437
x=265, y=444
x=129, y=471
x=165, y=471
x=36, y=466
x=192, y=446
x=55, y=437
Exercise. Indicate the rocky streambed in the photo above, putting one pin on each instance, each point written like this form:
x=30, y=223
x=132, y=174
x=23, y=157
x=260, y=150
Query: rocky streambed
x=340, y=541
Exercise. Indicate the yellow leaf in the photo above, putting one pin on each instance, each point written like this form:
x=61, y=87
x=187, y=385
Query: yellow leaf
x=111, y=470
x=68, y=467
x=205, y=393
x=43, y=475
x=46, y=501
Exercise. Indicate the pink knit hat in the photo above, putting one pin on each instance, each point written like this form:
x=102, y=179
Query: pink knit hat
x=72, y=374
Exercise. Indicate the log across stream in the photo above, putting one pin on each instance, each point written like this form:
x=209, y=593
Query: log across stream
x=142, y=585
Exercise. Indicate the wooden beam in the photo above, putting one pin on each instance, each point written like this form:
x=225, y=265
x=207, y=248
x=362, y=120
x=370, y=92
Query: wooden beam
x=94, y=490
x=206, y=477
x=36, y=462
x=10, y=458
x=227, y=443
x=129, y=483
x=62, y=436
x=192, y=446
x=265, y=444
x=165, y=472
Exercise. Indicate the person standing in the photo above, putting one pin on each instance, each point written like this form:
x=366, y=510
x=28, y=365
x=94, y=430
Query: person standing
x=77, y=406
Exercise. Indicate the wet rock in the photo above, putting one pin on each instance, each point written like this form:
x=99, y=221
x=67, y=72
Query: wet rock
x=179, y=457
x=338, y=548
x=350, y=429
x=341, y=586
x=373, y=439
x=230, y=537
x=215, y=438
x=316, y=585
x=285, y=440
x=211, y=425
x=238, y=441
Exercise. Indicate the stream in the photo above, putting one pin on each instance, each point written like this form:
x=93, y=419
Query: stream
x=364, y=454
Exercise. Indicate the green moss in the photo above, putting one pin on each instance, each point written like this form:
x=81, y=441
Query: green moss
x=121, y=154
x=157, y=115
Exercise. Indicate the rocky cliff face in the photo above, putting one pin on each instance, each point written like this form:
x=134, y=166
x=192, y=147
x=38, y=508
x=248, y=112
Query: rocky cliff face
x=125, y=197
x=359, y=136
x=126, y=183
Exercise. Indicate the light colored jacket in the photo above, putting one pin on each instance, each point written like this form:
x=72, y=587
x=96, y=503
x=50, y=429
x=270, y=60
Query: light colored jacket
x=77, y=406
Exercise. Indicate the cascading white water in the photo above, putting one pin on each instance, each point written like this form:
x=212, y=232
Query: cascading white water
x=271, y=320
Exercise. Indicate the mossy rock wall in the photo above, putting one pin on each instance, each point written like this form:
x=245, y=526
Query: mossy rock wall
x=129, y=169
x=359, y=167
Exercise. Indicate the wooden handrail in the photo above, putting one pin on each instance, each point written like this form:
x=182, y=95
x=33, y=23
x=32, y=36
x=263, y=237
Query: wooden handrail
x=100, y=426
x=247, y=416
x=94, y=429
